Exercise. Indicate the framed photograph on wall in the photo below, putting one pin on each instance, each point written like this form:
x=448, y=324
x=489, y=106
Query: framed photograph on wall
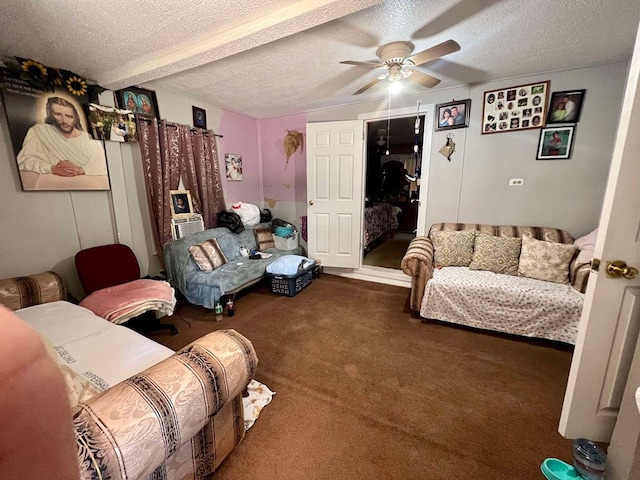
x=49, y=133
x=452, y=115
x=555, y=143
x=138, y=100
x=199, y=117
x=565, y=106
x=233, y=166
x=515, y=108
x=181, y=205
x=112, y=124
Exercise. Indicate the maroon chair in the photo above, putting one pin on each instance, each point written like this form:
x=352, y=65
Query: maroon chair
x=110, y=276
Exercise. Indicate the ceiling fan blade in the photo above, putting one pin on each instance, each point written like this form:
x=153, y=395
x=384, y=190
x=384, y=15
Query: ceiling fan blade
x=423, y=79
x=367, y=86
x=440, y=50
x=363, y=64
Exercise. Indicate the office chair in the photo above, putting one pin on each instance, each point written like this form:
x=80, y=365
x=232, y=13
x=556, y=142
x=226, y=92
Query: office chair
x=110, y=276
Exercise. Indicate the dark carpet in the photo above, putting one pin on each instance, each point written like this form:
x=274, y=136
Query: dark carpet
x=366, y=390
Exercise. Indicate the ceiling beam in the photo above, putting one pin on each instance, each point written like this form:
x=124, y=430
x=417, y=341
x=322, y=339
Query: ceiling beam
x=244, y=35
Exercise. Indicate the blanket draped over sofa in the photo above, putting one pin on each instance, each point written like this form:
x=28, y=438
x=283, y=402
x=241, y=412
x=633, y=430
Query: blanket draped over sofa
x=206, y=288
x=495, y=301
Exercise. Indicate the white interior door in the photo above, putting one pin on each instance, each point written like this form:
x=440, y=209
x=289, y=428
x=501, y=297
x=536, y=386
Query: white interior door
x=335, y=192
x=611, y=316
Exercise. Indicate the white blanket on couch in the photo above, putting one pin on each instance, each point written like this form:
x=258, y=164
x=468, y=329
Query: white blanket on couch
x=503, y=303
x=104, y=353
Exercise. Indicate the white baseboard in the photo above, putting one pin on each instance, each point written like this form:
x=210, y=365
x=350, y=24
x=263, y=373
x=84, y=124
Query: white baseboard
x=387, y=276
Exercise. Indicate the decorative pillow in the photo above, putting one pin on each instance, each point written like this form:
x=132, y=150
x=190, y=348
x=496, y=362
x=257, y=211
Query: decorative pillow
x=496, y=254
x=208, y=255
x=453, y=248
x=545, y=260
x=586, y=245
x=264, y=238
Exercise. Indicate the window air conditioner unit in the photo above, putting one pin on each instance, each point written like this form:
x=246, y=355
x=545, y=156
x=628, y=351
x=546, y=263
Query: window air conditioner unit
x=183, y=226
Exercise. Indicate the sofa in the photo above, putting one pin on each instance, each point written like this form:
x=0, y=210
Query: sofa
x=139, y=409
x=237, y=272
x=501, y=295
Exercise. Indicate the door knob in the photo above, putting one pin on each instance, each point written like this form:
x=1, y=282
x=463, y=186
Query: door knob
x=310, y=202
x=619, y=269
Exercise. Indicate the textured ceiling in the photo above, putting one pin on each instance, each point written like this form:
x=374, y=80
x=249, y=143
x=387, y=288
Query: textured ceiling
x=273, y=57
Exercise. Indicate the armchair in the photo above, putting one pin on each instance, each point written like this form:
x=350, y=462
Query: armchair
x=110, y=276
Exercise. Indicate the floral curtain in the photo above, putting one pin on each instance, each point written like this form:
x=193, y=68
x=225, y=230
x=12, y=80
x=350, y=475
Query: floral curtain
x=171, y=152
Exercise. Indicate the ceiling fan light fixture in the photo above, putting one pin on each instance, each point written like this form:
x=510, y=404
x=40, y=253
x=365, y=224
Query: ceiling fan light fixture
x=395, y=87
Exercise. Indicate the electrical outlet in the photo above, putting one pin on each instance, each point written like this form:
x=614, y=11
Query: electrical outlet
x=516, y=182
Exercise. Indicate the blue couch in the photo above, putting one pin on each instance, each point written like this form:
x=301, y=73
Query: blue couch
x=206, y=288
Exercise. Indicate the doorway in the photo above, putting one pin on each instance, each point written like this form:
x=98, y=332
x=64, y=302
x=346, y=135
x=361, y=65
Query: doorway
x=393, y=153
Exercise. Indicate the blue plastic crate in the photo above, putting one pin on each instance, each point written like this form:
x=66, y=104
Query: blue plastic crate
x=290, y=285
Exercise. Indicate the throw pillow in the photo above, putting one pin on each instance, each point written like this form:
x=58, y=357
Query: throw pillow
x=545, y=260
x=586, y=245
x=208, y=255
x=264, y=238
x=453, y=248
x=496, y=254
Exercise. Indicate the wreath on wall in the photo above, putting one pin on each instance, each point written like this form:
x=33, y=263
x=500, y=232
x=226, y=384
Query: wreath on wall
x=48, y=79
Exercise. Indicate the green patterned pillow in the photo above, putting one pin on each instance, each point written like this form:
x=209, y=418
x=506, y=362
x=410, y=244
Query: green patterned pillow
x=496, y=254
x=453, y=249
x=545, y=260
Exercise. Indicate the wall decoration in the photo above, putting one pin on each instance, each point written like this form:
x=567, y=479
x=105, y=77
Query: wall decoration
x=292, y=141
x=233, y=166
x=199, y=117
x=515, y=108
x=555, y=143
x=453, y=115
x=47, y=79
x=565, y=106
x=181, y=205
x=138, y=100
x=48, y=131
x=109, y=123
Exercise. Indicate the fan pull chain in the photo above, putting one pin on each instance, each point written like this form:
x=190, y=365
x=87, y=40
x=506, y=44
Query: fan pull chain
x=388, y=121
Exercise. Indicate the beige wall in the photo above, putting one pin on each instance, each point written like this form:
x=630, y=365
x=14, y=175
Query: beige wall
x=43, y=230
x=473, y=187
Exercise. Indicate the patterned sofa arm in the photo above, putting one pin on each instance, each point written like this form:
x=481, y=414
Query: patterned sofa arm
x=22, y=292
x=579, y=275
x=418, y=264
x=132, y=429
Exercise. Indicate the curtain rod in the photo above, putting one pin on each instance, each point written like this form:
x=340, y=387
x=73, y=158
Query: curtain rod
x=175, y=125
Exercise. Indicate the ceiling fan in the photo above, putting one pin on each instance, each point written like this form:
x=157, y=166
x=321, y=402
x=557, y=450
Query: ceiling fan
x=398, y=62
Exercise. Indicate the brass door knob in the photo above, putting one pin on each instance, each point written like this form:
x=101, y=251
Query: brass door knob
x=619, y=269
x=310, y=202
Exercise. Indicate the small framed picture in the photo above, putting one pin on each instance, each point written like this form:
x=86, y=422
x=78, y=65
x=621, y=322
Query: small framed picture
x=139, y=101
x=199, y=117
x=109, y=123
x=565, y=106
x=233, y=166
x=181, y=205
x=452, y=115
x=555, y=143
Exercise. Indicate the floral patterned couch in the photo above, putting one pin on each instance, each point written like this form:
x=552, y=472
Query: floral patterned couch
x=478, y=296
x=139, y=409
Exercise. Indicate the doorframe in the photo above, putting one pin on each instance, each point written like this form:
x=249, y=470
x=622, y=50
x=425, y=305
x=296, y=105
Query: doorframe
x=391, y=276
x=427, y=140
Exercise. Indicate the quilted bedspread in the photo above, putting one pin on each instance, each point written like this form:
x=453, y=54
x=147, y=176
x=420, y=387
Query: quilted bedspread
x=503, y=303
x=378, y=220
